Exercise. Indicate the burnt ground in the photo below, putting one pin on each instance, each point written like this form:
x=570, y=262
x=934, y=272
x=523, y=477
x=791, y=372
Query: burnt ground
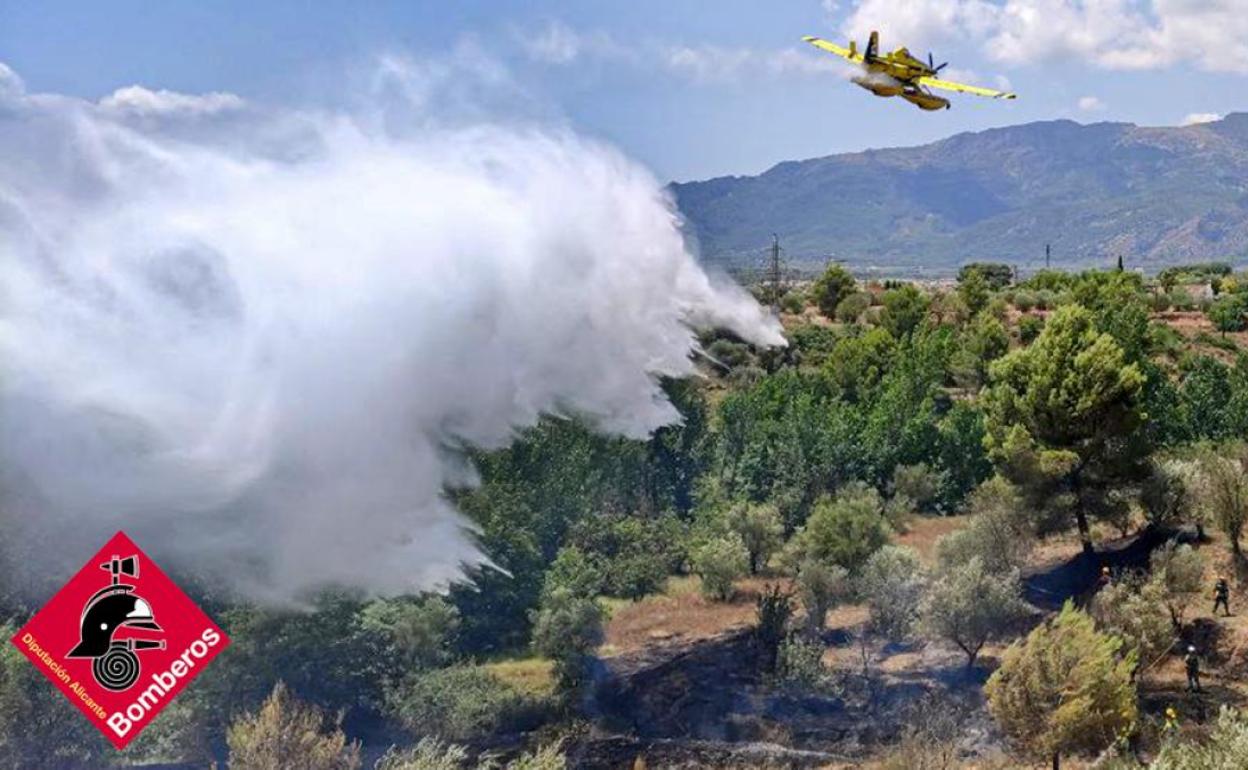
x=705, y=704
x=701, y=701
x=1047, y=587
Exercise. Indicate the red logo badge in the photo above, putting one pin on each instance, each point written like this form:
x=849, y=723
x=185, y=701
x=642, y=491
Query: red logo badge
x=120, y=640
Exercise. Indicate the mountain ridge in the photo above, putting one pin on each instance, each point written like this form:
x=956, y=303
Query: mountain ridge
x=1155, y=195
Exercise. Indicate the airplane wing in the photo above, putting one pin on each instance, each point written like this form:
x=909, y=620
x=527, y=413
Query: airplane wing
x=949, y=85
x=833, y=48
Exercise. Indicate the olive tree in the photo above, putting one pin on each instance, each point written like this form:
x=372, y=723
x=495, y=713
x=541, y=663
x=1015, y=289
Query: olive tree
x=969, y=605
x=892, y=584
x=1224, y=490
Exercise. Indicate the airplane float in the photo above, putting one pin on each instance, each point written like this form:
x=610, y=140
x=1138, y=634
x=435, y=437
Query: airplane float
x=901, y=74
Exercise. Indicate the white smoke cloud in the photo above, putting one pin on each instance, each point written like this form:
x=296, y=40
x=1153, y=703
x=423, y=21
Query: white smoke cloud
x=259, y=345
x=1196, y=118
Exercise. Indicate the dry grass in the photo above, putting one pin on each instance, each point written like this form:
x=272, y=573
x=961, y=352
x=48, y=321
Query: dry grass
x=531, y=676
x=926, y=530
x=680, y=614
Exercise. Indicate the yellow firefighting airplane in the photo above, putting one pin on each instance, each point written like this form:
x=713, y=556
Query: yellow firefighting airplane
x=900, y=74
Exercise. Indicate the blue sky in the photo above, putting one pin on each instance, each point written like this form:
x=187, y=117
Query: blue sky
x=689, y=87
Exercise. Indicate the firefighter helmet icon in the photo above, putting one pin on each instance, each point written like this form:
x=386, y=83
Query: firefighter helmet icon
x=115, y=665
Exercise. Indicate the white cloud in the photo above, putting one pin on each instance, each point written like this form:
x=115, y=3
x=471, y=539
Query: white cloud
x=137, y=100
x=11, y=86
x=1197, y=118
x=708, y=63
x=1113, y=34
x=1091, y=104
x=558, y=44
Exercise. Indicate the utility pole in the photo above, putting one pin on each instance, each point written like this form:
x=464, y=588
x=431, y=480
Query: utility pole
x=775, y=273
x=1048, y=252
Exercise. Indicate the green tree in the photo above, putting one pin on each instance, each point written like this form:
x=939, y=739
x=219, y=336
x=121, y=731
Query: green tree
x=720, y=561
x=858, y=363
x=418, y=632
x=904, y=310
x=845, y=530
x=984, y=341
x=1223, y=489
x=1136, y=612
x=969, y=605
x=287, y=733
x=566, y=629
x=851, y=307
x=974, y=290
x=456, y=703
x=918, y=482
x=999, y=534
x=761, y=531
x=820, y=588
x=1063, y=416
x=998, y=275
x=583, y=574
x=1228, y=313
x=892, y=585
x=1029, y=327
x=834, y=285
x=1065, y=689
x=1179, y=572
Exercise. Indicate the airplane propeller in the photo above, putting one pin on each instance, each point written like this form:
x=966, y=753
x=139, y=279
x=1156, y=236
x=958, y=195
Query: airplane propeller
x=931, y=63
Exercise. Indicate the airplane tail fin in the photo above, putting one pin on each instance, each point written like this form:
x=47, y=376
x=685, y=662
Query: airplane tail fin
x=873, y=46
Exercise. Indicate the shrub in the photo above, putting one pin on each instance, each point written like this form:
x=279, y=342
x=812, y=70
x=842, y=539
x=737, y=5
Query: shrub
x=829, y=289
x=1029, y=327
x=1179, y=572
x=636, y=553
x=793, y=302
x=1135, y=612
x=772, y=615
x=417, y=632
x=799, y=664
x=844, y=530
x=760, y=529
x=919, y=483
x=566, y=627
x=998, y=534
x=820, y=588
x=428, y=754
x=719, y=562
x=730, y=354
x=457, y=703
x=287, y=733
x=1065, y=688
x=1229, y=313
x=581, y=573
x=892, y=585
x=1226, y=748
x=851, y=308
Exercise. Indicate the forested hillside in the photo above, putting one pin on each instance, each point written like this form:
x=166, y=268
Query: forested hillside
x=1156, y=196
